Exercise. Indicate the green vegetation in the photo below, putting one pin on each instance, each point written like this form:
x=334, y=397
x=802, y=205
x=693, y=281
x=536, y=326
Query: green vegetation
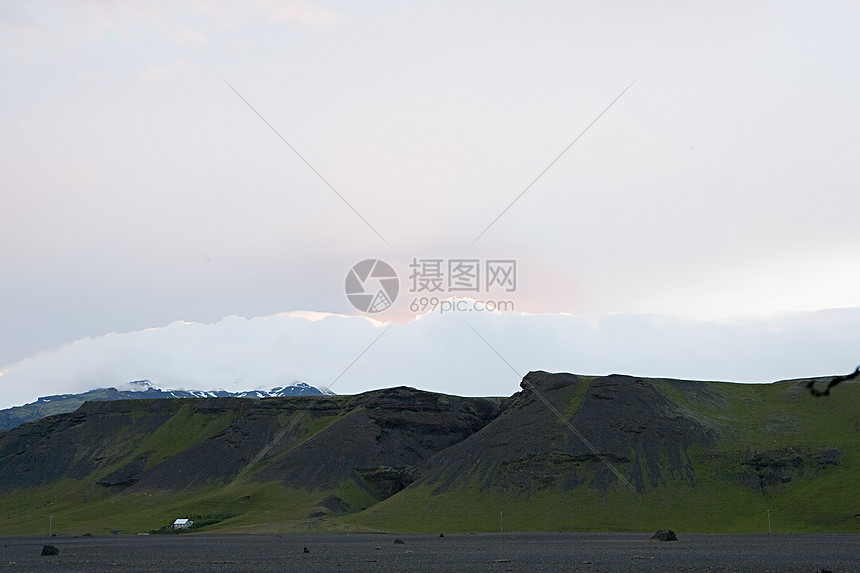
x=776, y=433
x=708, y=508
x=181, y=431
x=575, y=401
x=246, y=508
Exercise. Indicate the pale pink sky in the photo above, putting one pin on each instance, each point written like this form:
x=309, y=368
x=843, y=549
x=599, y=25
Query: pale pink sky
x=138, y=189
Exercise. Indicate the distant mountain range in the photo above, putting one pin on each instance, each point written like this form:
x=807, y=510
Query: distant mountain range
x=138, y=390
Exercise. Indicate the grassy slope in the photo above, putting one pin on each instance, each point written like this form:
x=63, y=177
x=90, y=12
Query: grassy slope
x=91, y=507
x=766, y=417
x=79, y=506
x=242, y=508
x=774, y=416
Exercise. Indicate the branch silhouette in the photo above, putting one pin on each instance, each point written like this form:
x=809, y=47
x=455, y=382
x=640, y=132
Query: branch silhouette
x=836, y=380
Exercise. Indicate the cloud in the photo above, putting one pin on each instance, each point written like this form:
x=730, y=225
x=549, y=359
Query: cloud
x=440, y=353
x=302, y=12
x=47, y=30
x=163, y=72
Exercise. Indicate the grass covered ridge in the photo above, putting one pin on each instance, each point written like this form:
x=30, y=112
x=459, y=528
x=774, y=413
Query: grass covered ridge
x=414, y=462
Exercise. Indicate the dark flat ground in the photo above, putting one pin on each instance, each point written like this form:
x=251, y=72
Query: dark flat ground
x=525, y=552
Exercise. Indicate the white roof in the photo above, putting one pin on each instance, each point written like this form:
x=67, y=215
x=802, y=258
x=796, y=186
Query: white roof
x=182, y=521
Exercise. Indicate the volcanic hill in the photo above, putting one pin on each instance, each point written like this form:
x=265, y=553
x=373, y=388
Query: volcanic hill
x=568, y=452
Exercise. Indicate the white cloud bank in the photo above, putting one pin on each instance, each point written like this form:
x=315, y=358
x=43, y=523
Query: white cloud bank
x=439, y=353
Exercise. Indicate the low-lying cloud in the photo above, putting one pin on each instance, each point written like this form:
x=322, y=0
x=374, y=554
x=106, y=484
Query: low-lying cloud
x=439, y=353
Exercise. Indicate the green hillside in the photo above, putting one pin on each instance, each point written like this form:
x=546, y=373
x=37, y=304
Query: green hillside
x=612, y=453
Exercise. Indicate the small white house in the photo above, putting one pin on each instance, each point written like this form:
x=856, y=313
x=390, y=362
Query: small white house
x=182, y=523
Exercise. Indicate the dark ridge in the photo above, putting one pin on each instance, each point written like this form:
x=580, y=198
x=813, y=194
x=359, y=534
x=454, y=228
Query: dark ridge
x=561, y=432
x=630, y=422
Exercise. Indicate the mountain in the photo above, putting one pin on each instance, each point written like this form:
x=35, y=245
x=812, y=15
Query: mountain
x=630, y=453
x=139, y=389
x=567, y=453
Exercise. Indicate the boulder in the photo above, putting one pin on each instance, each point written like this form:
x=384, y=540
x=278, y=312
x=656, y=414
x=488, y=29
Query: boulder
x=49, y=550
x=665, y=535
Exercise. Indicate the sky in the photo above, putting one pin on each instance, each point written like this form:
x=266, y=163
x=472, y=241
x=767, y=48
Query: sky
x=186, y=186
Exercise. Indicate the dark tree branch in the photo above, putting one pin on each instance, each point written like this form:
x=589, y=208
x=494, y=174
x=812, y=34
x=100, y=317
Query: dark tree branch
x=833, y=382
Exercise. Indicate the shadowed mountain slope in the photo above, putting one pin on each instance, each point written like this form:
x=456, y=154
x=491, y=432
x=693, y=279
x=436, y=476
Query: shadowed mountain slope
x=622, y=421
x=370, y=442
x=566, y=453
x=627, y=453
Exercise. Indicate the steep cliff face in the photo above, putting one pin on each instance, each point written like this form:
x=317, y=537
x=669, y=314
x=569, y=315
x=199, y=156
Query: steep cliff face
x=565, y=431
x=383, y=434
x=635, y=422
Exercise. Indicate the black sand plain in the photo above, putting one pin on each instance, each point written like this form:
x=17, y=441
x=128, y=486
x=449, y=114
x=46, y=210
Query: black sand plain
x=502, y=552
